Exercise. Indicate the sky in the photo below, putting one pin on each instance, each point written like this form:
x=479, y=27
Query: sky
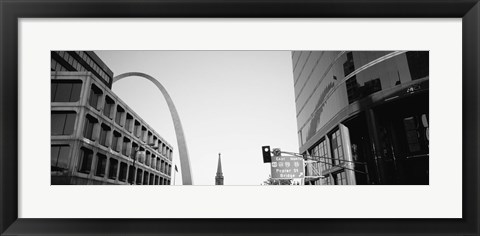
x=229, y=102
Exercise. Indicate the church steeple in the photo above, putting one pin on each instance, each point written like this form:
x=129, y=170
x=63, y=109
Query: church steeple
x=219, y=176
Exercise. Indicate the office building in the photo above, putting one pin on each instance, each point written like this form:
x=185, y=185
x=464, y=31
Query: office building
x=95, y=137
x=363, y=116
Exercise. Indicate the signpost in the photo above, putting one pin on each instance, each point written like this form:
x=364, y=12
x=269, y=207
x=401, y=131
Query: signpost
x=287, y=167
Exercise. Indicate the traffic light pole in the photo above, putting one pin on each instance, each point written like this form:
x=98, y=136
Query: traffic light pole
x=309, y=159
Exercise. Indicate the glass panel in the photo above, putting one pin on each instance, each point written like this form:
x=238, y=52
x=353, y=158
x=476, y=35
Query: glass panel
x=76, y=89
x=63, y=92
x=85, y=161
x=125, y=146
x=54, y=155
x=69, y=123
x=112, y=171
x=101, y=165
x=64, y=157
x=89, y=125
x=53, y=91
x=107, y=110
x=57, y=123
x=103, y=135
x=122, y=176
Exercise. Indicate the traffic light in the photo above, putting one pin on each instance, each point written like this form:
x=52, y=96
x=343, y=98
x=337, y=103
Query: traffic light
x=277, y=152
x=267, y=156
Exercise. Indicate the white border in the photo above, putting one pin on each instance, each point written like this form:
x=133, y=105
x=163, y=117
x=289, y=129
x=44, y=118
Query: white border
x=441, y=199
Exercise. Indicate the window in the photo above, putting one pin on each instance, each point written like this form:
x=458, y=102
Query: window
x=145, y=178
x=139, y=176
x=126, y=141
x=158, y=164
x=131, y=174
x=160, y=144
x=65, y=90
x=119, y=115
x=337, y=149
x=101, y=165
x=411, y=127
x=85, y=160
x=112, y=171
x=161, y=180
x=53, y=64
x=156, y=180
x=162, y=150
x=319, y=152
x=122, y=175
x=136, y=129
x=147, y=159
x=341, y=178
x=150, y=138
x=141, y=158
x=134, y=150
x=107, y=109
x=95, y=95
x=144, y=134
x=63, y=122
x=60, y=158
x=104, y=135
x=89, y=127
x=115, y=138
x=154, y=161
x=129, y=123
x=151, y=179
x=162, y=167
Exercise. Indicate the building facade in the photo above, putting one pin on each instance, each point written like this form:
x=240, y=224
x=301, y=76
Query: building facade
x=363, y=116
x=95, y=137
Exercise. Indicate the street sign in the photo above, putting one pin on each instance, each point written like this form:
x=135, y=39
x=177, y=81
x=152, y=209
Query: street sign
x=287, y=167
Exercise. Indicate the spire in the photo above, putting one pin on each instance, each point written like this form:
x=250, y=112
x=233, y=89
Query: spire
x=219, y=176
x=219, y=166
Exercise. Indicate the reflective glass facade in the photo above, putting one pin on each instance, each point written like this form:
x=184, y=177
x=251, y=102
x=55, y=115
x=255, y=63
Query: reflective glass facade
x=345, y=101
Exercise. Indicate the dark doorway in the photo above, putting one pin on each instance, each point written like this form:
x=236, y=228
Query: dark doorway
x=404, y=141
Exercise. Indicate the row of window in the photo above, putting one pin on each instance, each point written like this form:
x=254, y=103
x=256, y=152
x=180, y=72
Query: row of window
x=78, y=66
x=325, y=162
x=65, y=90
x=63, y=123
x=106, y=105
x=120, y=143
x=70, y=90
x=114, y=169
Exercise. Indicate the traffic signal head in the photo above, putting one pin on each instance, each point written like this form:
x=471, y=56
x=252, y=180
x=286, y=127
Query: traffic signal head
x=267, y=156
x=277, y=152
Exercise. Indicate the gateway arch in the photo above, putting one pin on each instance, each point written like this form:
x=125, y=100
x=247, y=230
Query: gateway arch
x=182, y=144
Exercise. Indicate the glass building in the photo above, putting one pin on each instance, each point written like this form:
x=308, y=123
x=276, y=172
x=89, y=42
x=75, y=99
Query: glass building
x=362, y=116
x=95, y=137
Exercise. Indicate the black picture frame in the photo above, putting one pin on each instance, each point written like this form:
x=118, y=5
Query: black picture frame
x=12, y=10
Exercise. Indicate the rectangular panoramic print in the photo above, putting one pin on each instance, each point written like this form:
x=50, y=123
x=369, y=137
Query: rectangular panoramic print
x=239, y=118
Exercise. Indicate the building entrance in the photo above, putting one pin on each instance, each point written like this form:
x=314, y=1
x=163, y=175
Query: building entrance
x=403, y=140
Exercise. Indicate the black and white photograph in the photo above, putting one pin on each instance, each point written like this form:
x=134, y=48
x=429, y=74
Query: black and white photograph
x=239, y=117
